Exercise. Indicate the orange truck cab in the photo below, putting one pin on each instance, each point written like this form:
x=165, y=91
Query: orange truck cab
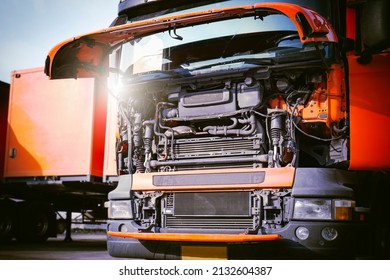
x=244, y=127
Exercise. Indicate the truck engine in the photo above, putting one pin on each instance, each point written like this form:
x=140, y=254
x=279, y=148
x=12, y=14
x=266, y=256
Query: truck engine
x=228, y=123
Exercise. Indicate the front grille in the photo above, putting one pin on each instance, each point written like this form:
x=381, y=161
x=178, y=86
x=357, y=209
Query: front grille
x=209, y=223
x=210, y=210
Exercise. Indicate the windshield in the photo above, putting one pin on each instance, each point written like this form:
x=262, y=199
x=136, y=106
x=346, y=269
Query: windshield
x=229, y=44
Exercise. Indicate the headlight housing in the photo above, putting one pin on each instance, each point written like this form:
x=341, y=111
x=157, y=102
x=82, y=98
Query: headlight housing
x=323, y=209
x=312, y=209
x=120, y=209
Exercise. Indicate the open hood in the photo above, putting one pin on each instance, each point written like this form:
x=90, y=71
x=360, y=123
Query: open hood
x=87, y=55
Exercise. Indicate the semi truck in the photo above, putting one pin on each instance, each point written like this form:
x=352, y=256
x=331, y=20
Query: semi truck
x=55, y=159
x=246, y=129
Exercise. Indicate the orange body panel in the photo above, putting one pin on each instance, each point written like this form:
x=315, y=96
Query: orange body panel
x=109, y=169
x=183, y=237
x=370, y=113
x=55, y=128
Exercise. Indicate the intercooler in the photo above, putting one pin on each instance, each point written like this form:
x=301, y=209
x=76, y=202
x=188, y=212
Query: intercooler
x=216, y=147
x=214, y=152
x=210, y=210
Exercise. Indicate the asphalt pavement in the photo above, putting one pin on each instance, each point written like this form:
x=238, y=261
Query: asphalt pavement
x=84, y=246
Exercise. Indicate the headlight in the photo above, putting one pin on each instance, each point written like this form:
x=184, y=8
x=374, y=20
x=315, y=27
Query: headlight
x=312, y=209
x=120, y=209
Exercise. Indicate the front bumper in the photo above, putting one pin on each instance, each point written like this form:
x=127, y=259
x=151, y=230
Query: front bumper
x=271, y=244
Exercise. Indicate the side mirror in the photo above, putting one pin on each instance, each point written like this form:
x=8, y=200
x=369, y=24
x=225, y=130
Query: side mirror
x=375, y=25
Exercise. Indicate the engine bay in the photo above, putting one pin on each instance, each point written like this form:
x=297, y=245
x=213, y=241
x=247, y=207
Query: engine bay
x=263, y=117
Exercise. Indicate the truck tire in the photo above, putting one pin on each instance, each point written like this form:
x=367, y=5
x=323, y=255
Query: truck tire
x=35, y=223
x=7, y=221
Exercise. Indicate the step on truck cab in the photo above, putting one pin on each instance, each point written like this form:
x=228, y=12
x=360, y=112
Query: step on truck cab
x=234, y=124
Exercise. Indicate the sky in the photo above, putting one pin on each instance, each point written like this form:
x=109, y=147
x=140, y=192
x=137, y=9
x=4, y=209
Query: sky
x=30, y=28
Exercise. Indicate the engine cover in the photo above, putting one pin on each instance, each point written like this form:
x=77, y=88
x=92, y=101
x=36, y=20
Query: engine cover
x=212, y=102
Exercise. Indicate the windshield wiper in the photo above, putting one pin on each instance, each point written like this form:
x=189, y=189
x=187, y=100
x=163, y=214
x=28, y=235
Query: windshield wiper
x=232, y=61
x=156, y=75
